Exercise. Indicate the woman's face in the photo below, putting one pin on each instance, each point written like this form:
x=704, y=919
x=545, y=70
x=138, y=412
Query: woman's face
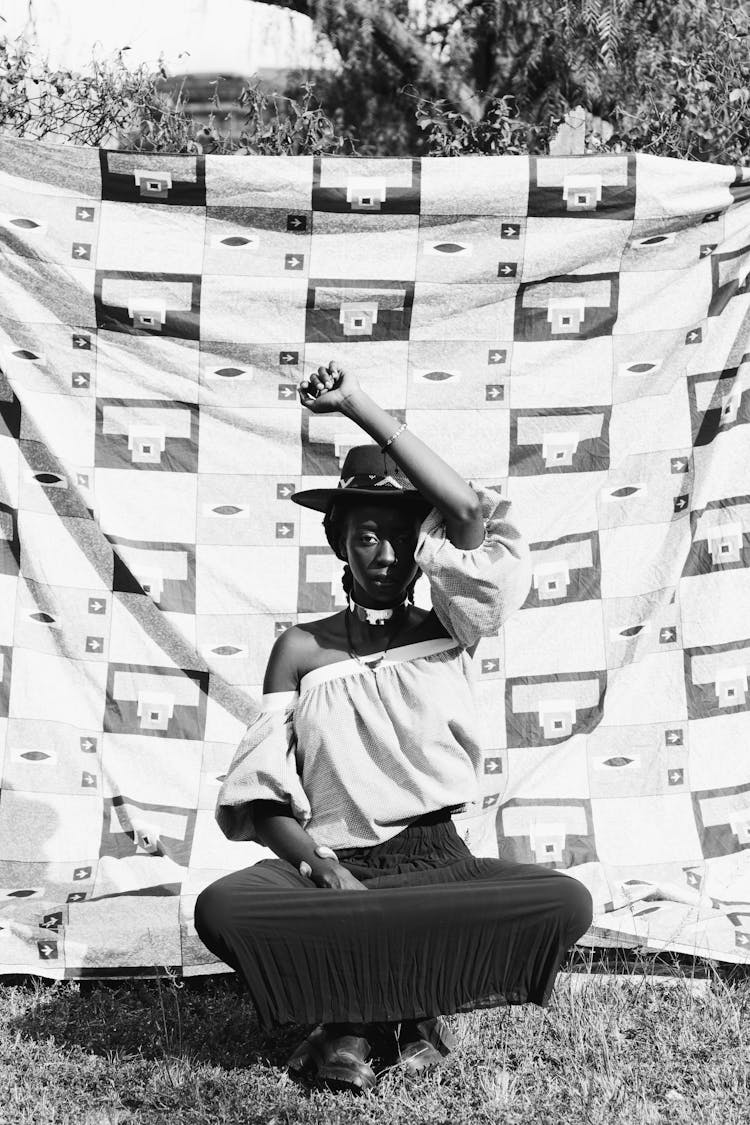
x=379, y=544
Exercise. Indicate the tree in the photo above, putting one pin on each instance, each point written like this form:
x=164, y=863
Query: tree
x=615, y=57
x=451, y=76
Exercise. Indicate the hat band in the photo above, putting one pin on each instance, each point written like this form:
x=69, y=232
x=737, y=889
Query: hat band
x=371, y=480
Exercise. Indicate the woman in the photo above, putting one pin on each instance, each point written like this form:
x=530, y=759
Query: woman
x=370, y=744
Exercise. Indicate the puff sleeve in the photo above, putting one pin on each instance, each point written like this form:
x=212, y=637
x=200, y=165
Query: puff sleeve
x=264, y=768
x=475, y=591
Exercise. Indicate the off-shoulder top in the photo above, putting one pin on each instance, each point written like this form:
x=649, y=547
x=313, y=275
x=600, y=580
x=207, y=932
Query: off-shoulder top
x=358, y=752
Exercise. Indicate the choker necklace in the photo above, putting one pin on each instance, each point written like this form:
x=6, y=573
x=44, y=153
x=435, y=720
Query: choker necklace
x=373, y=616
x=379, y=658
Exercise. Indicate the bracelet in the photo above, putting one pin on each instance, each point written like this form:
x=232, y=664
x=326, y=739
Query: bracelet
x=393, y=437
x=321, y=850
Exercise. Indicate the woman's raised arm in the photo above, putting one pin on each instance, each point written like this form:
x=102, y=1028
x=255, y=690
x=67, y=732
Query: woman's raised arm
x=330, y=390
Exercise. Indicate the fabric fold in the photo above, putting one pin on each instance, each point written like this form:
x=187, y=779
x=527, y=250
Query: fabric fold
x=475, y=590
x=263, y=768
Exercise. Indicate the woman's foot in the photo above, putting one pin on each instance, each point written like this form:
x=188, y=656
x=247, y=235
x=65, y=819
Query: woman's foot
x=436, y=1031
x=423, y=1044
x=344, y=1065
x=337, y=1055
x=304, y=1061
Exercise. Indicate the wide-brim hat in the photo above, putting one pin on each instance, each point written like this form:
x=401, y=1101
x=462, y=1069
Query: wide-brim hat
x=367, y=474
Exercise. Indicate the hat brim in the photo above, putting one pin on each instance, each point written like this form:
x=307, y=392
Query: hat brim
x=319, y=498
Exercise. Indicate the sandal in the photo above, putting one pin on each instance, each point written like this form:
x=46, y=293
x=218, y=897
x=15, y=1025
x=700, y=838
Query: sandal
x=345, y=1067
x=304, y=1061
x=417, y=1056
x=435, y=1030
x=423, y=1044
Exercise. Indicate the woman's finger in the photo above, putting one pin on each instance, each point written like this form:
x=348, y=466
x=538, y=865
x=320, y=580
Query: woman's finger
x=307, y=393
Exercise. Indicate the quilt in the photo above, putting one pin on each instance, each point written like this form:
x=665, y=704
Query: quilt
x=574, y=331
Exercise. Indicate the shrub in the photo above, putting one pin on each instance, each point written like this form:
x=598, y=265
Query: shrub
x=114, y=106
x=694, y=105
x=500, y=131
x=110, y=102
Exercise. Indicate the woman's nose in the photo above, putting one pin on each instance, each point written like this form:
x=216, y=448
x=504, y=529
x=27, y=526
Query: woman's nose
x=386, y=553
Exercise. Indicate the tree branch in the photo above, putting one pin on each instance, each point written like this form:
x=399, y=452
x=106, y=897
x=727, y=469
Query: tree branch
x=447, y=24
x=401, y=46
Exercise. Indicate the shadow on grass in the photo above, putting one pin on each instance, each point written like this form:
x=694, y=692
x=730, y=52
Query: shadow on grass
x=211, y=1021
x=208, y=1020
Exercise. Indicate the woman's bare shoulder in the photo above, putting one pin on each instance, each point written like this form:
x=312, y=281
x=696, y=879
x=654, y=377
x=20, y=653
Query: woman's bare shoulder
x=287, y=658
x=312, y=644
x=300, y=648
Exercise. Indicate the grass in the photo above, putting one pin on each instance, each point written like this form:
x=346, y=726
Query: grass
x=610, y=1048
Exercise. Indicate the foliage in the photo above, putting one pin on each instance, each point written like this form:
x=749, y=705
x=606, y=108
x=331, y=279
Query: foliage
x=446, y=77
x=369, y=110
x=682, y=90
x=115, y=106
x=500, y=131
x=613, y=57
x=364, y=95
x=276, y=125
x=39, y=102
x=700, y=106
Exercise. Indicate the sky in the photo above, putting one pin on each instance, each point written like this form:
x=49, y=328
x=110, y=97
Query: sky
x=231, y=36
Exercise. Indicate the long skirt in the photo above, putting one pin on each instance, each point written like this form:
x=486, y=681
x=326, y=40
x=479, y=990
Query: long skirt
x=436, y=931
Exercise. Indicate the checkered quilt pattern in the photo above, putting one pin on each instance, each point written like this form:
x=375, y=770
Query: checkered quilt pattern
x=573, y=331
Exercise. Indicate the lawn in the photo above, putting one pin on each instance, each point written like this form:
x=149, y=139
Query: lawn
x=629, y=1047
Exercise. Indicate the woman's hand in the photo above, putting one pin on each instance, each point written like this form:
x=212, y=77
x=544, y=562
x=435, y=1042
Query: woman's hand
x=279, y=831
x=325, y=390
x=334, y=876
